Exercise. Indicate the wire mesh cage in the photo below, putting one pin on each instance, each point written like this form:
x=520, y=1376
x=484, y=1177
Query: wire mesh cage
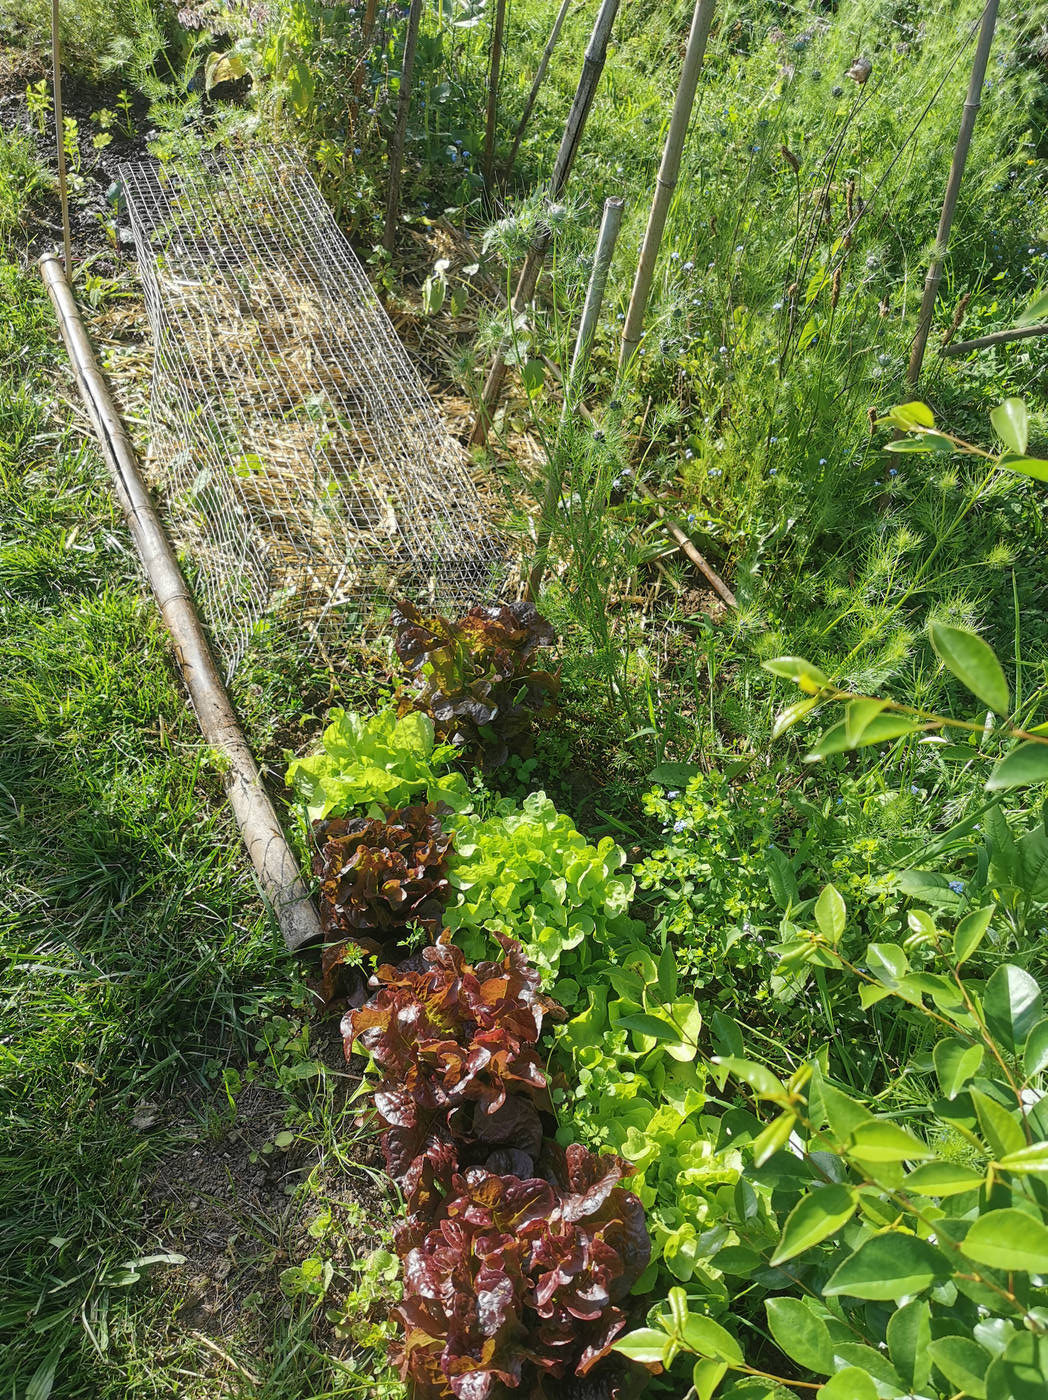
x=306, y=472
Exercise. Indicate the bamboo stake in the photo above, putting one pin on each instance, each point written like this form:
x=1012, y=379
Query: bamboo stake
x=666, y=182
x=275, y=865
x=400, y=129
x=953, y=187
x=494, y=72
x=982, y=342
x=609, y=232
x=592, y=67
x=547, y=54
x=63, y=189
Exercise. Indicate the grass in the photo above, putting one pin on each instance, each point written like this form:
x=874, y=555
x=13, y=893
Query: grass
x=140, y=968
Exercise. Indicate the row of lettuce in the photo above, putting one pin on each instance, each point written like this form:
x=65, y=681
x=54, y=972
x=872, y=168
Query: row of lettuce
x=575, y=1147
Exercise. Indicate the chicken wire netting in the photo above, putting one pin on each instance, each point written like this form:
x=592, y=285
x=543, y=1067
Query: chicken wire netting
x=306, y=473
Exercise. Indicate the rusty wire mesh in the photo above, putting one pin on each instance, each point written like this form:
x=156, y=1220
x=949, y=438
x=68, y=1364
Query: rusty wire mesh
x=305, y=470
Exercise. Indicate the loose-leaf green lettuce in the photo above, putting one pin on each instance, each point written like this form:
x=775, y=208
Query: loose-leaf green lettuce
x=373, y=763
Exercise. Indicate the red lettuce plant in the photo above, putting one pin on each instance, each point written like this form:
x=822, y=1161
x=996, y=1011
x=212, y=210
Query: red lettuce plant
x=456, y=1046
x=381, y=875
x=476, y=677
x=515, y=1252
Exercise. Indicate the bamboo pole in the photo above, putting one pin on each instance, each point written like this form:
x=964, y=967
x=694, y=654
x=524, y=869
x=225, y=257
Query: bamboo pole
x=494, y=72
x=592, y=67
x=606, y=237
x=983, y=342
x=547, y=54
x=953, y=187
x=63, y=188
x=400, y=128
x=275, y=865
x=666, y=181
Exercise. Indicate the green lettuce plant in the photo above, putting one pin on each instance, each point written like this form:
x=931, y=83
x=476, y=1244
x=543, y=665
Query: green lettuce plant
x=633, y=1081
x=375, y=763
x=893, y=1253
x=529, y=873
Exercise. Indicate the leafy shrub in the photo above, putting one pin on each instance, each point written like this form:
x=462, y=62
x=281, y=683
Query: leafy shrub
x=381, y=875
x=511, y=1267
x=528, y=872
x=375, y=763
x=894, y=1257
x=476, y=678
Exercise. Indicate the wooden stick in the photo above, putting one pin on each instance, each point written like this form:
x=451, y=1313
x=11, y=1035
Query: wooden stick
x=494, y=72
x=609, y=232
x=400, y=128
x=666, y=181
x=547, y=54
x=684, y=543
x=953, y=187
x=63, y=189
x=982, y=342
x=275, y=865
x=592, y=67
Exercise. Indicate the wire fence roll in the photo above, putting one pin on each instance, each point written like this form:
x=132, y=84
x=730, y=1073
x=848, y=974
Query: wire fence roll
x=306, y=473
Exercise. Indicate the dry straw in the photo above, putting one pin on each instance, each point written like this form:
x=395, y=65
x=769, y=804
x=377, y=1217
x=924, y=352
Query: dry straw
x=305, y=469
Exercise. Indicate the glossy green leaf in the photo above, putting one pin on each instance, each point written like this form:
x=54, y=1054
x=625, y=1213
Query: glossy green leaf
x=963, y=1362
x=1011, y=423
x=774, y=1137
x=801, y=672
x=925, y=442
x=942, y=1179
x=1035, y=467
x=1022, y=1372
x=1033, y=1159
x=708, y=1338
x=802, y=1336
x=881, y=1140
x=909, y=1332
x=999, y=1126
x=654, y=1026
x=1024, y=765
x=849, y=1384
x=761, y=1080
x=667, y=977
x=816, y=1216
x=1012, y=1006
x=955, y=1062
x=706, y=1376
x=789, y=716
x=973, y=663
x=645, y=1345
x=888, y=1267
x=858, y=715
x=970, y=932
x=887, y=962
x=831, y=914
x=1035, y=1051
x=908, y=416
x=1008, y=1239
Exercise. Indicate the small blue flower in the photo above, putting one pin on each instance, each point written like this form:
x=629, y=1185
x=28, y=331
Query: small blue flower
x=914, y=789
x=678, y=826
x=957, y=886
x=893, y=471
x=773, y=471
x=673, y=794
x=822, y=461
